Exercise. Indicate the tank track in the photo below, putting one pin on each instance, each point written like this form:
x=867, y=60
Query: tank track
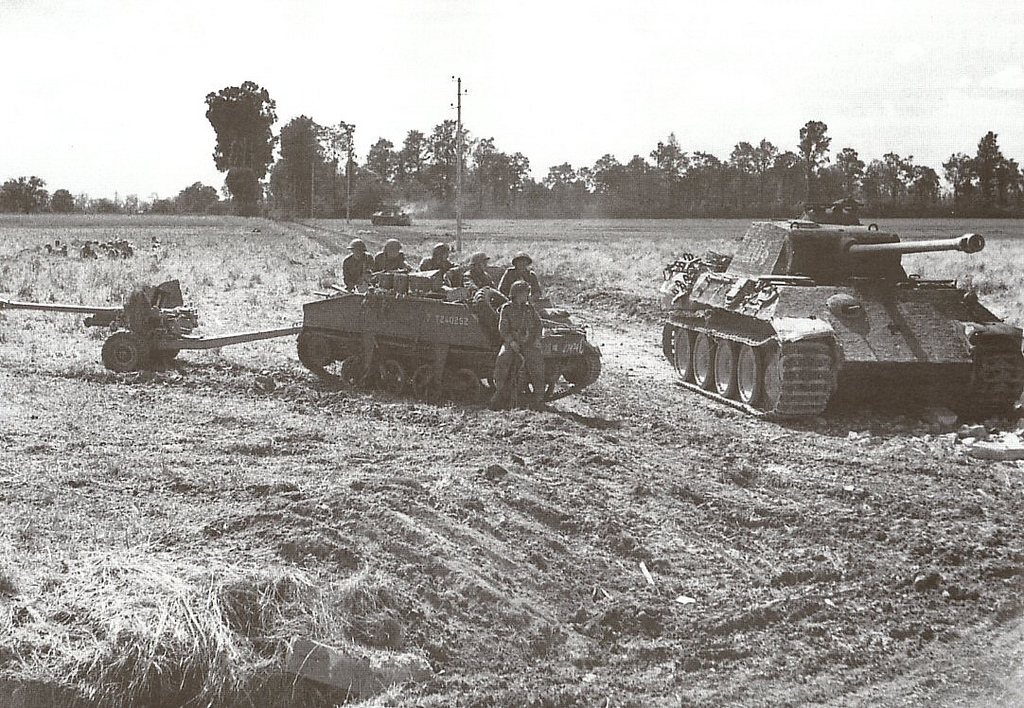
x=807, y=381
x=998, y=380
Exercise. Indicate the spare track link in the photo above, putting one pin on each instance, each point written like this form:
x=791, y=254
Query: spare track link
x=998, y=380
x=808, y=376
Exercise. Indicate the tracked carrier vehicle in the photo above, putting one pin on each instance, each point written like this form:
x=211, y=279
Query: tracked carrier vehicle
x=408, y=333
x=805, y=312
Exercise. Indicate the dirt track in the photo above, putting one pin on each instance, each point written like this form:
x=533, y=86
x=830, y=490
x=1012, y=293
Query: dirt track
x=788, y=565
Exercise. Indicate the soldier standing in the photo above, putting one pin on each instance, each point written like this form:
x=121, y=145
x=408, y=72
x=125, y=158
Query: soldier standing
x=519, y=326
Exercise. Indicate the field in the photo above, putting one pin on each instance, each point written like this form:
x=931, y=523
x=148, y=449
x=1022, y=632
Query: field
x=167, y=534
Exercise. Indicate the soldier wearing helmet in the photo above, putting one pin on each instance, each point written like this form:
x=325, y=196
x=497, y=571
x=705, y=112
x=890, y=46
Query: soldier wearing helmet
x=391, y=258
x=477, y=276
x=520, y=272
x=438, y=259
x=519, y=326
x=356, y=267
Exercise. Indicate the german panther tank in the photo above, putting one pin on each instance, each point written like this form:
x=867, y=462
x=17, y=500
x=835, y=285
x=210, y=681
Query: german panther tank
x=806, y=312
x=409, y=333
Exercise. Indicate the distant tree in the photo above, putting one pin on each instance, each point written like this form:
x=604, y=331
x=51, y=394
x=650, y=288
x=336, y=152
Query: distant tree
x=412, y=158
x=813, y=147
x=382, y=161
x=762, y=160
x=62, y=202
x=106, y=206
x=25, y=195
x=849, y=169
x=560, y=176
x=607, y=171
x=197, y=198
x=669, y=158
x=292, y=181
x=441, y=153
x=131, y=204
x=959, y=172
x=924, y=185
x=242, y=117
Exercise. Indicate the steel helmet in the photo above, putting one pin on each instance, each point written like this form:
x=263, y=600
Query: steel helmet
x=357, y=244
x=441, y=248
x=520, y=286
x=479, y=258
x=392, y=247
x=522, y=255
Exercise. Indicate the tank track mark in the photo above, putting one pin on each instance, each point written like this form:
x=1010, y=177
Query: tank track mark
x=997, y=382
x=807, y=378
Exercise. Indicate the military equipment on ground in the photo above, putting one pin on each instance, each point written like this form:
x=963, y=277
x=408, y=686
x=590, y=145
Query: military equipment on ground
x=805, y=312
x=410, y=333
x=150, y=329
x=390, y=216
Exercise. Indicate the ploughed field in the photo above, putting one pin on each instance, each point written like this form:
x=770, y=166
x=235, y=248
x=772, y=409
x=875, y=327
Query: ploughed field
x=166, y=534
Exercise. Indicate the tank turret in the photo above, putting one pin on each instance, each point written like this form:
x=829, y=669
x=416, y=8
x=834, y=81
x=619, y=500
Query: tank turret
x=805, y=311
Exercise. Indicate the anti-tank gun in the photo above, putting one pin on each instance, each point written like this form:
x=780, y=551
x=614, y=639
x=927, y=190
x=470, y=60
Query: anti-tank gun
x=150, y=328
x=807, y=311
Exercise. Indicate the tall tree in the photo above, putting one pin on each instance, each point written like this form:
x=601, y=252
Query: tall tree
x=813, y=147
x=762, y=159
x=959, y=172
x=242, y=117
x=62, y=202
x=382, y=160
x=670, y=158
x=849, y=171
x=24, y=194
x=987, y=163
x=197, y=198
x=441, y=152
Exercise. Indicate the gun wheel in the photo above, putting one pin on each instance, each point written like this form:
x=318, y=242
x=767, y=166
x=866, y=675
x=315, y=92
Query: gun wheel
x=122, y=352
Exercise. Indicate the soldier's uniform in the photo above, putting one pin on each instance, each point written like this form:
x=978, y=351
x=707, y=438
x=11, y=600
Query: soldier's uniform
x=519, y=323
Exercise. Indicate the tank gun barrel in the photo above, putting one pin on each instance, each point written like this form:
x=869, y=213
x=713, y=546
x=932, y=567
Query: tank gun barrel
x=968, y=243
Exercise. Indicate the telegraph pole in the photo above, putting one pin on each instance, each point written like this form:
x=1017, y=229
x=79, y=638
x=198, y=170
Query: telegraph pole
x=348, y=177
x=458, y=168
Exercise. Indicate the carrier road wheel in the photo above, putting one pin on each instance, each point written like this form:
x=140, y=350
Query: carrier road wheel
x=725, y=368
x=704, y=361
x=122, y=352
x=314, y=350
x=585, y=370
x=353, y=370
x=392, y=376
x=749, y=375
x=423, y=384
x=462, y=385
x=683, y=348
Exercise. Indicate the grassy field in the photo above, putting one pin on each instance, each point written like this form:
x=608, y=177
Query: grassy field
x=167, y=534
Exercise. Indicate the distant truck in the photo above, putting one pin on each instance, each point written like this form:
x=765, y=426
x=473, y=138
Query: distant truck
x=390, y=217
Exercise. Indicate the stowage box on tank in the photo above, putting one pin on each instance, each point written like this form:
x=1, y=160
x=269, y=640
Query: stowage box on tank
x=806, y=311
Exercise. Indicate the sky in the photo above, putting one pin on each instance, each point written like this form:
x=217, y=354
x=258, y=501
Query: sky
x=107, y=97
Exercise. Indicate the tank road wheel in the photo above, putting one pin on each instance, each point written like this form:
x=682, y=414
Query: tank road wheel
x=423, y=384
x=314, y=350
x=704, y=361
x=462, y=385
x=123, y=352
x=725, y=368
x=749, y=375
x=392, y=376
x=772, y=376
x=683, y=349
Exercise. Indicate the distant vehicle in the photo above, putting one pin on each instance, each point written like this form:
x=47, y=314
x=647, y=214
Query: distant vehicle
x=390, y=217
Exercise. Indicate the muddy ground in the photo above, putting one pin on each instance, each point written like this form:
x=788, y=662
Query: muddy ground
x=634, y=545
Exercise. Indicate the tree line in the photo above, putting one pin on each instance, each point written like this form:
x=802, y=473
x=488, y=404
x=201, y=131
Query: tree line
x=317, y=174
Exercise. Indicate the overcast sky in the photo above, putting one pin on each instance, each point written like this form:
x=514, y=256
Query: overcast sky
x=105, y=96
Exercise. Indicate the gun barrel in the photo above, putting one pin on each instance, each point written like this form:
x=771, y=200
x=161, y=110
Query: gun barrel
x=57, y=307
x=968, y=243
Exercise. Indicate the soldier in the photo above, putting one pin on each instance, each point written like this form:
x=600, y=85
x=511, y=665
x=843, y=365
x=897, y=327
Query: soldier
x=391, y=258
x=356, y=266
x=520, y=272
x=519, y=326
x=477, y=276
x=438, y=259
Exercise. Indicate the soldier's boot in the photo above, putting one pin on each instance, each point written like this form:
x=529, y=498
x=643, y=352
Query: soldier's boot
x=498, y=400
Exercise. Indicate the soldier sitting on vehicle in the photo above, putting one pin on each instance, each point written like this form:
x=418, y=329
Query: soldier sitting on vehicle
x=520, y=272
x=391, y=258
x=477, y=276
x=520, y=327
x=356, y=266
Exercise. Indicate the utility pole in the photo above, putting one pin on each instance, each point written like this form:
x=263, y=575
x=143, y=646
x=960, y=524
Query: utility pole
x=458, y=167
x=312, y=182
x=348, y=176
